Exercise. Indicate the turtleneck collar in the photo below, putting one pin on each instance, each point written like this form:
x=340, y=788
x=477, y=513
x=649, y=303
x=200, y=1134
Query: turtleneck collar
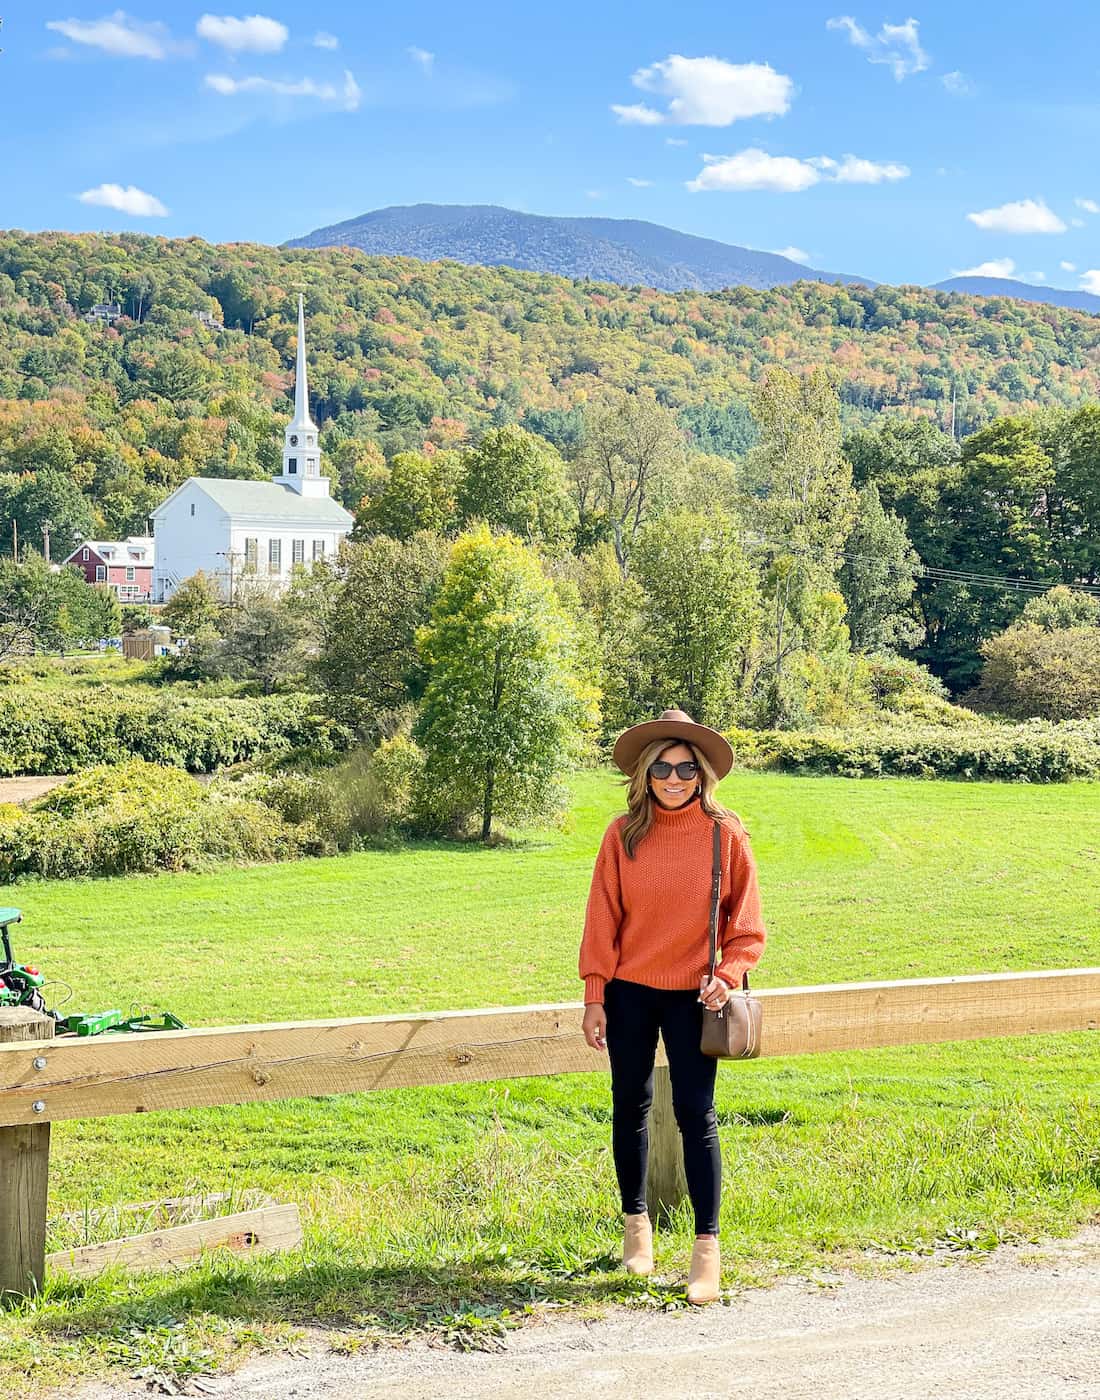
x=690, y=814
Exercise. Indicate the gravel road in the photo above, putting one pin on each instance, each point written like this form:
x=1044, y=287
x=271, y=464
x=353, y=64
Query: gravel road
x=1022, y=1321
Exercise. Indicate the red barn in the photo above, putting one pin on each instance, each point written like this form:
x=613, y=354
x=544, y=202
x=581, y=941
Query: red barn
x=126, y=566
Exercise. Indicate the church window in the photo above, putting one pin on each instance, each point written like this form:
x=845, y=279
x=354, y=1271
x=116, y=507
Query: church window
x=318, y=549
x=294, y=439
x=298, y=551
x=251, y=553
x=274, y=556
x=309, y=439
x=292, y=466
x=311, y=464
x=192, y=507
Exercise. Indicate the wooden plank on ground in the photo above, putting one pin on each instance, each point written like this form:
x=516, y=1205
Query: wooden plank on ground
x=167, y=1211
x=97, y=1077
x=247, y=1232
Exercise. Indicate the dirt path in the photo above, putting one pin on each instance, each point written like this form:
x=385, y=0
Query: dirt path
x=1021, y=1322
x=23, y=789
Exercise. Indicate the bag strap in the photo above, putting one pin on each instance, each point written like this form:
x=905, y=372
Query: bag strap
x=715, y=895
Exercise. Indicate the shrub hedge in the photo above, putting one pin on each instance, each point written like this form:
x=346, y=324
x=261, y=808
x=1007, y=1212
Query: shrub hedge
x=133, y=817
x=50, y=731
x=1030, y=753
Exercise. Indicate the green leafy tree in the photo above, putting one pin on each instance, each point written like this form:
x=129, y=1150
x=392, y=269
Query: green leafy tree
x=629, y=460
x=514, y=481
x=878, y=578
x=1032, y=672
x=897, y=447
x=196, y=604
x=373, y=599
x=262, y=640
x=46, y=610
x=701, y=613
x=1062, y=607
x=504, y=712
x=610, y=607
x=419, y=493
x=49, y=500
x=801, y=495
x=1074, y=495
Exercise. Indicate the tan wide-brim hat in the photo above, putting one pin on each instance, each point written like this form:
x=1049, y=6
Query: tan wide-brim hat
x=673, y=724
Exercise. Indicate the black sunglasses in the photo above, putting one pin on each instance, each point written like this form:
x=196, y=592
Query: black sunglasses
x=660, y=769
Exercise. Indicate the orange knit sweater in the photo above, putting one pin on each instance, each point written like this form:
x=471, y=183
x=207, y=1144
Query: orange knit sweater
x=648, y=919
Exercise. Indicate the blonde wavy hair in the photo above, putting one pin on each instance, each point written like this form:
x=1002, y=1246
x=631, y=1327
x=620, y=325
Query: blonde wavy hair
x=639, y=816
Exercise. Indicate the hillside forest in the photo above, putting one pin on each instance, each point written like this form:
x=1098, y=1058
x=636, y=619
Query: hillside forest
x=901, y=455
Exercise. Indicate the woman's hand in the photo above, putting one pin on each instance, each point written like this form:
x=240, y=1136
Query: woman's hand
x=595, y=1026
x=714, y=994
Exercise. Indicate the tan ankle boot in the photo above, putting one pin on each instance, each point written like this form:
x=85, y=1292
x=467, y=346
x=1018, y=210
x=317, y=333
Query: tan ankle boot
x=638, y=1244
x=705, y=1273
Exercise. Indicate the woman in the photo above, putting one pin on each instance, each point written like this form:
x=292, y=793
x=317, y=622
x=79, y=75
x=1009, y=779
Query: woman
x=644, y=958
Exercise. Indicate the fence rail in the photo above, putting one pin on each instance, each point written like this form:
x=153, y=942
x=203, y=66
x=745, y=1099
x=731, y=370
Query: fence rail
x=43, y=1080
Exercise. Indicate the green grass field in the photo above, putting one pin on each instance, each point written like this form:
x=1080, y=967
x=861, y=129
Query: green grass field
x=457, y=1208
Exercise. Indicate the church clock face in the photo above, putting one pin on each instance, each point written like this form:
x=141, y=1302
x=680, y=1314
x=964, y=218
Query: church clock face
x=294, y=439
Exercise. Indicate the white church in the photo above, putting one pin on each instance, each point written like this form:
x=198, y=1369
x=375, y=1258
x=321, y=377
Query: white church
x=230, y=528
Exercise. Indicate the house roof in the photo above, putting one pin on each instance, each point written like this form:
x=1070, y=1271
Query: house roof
x=269, y=499
x=121, y=552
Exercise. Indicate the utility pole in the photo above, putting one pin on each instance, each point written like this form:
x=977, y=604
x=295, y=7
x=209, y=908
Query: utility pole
x=46, y=539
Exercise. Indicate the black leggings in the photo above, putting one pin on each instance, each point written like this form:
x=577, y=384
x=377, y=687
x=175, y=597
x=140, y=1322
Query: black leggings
x=635, y=1013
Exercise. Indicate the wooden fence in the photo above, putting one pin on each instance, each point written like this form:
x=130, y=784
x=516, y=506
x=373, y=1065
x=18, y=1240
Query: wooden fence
x=44, y=1080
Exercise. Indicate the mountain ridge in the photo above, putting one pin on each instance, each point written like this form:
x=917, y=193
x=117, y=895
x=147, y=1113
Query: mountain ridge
x=628, y=252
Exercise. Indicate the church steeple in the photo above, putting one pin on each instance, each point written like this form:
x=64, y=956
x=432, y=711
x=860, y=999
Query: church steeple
x=301, y=452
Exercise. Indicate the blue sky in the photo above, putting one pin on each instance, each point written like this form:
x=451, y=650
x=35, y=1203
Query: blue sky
x=902, y=145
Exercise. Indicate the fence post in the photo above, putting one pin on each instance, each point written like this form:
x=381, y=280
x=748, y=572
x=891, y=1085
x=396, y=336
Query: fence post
x=666, y=1185
x=24, y=1173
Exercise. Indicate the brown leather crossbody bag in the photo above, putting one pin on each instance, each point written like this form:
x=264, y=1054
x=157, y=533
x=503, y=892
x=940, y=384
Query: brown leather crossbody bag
x=732, y=1032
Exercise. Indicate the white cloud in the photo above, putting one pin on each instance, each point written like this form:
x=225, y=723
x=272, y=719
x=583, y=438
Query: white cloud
x=1077, y=223
x=753, y=169
x=324, y=40
x=116, y=34
x=895, y=44
x=638, y=184
x=595, y=194
x=1090, y=281
x=126, y=199
x=1038, y=277
x=854, y=171
x=253, y=34
x=675, y=141
x=708, y=92
x=348, y=95
x=798, y=255
x=998, y=267
x=1068, y=266
x=1023, y=216
x=425, y=59
x=1090, y=206
x=958, y=84
x=638, y=115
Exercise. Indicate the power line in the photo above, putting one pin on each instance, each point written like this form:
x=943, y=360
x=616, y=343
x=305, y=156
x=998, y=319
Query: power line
x=963, y=577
